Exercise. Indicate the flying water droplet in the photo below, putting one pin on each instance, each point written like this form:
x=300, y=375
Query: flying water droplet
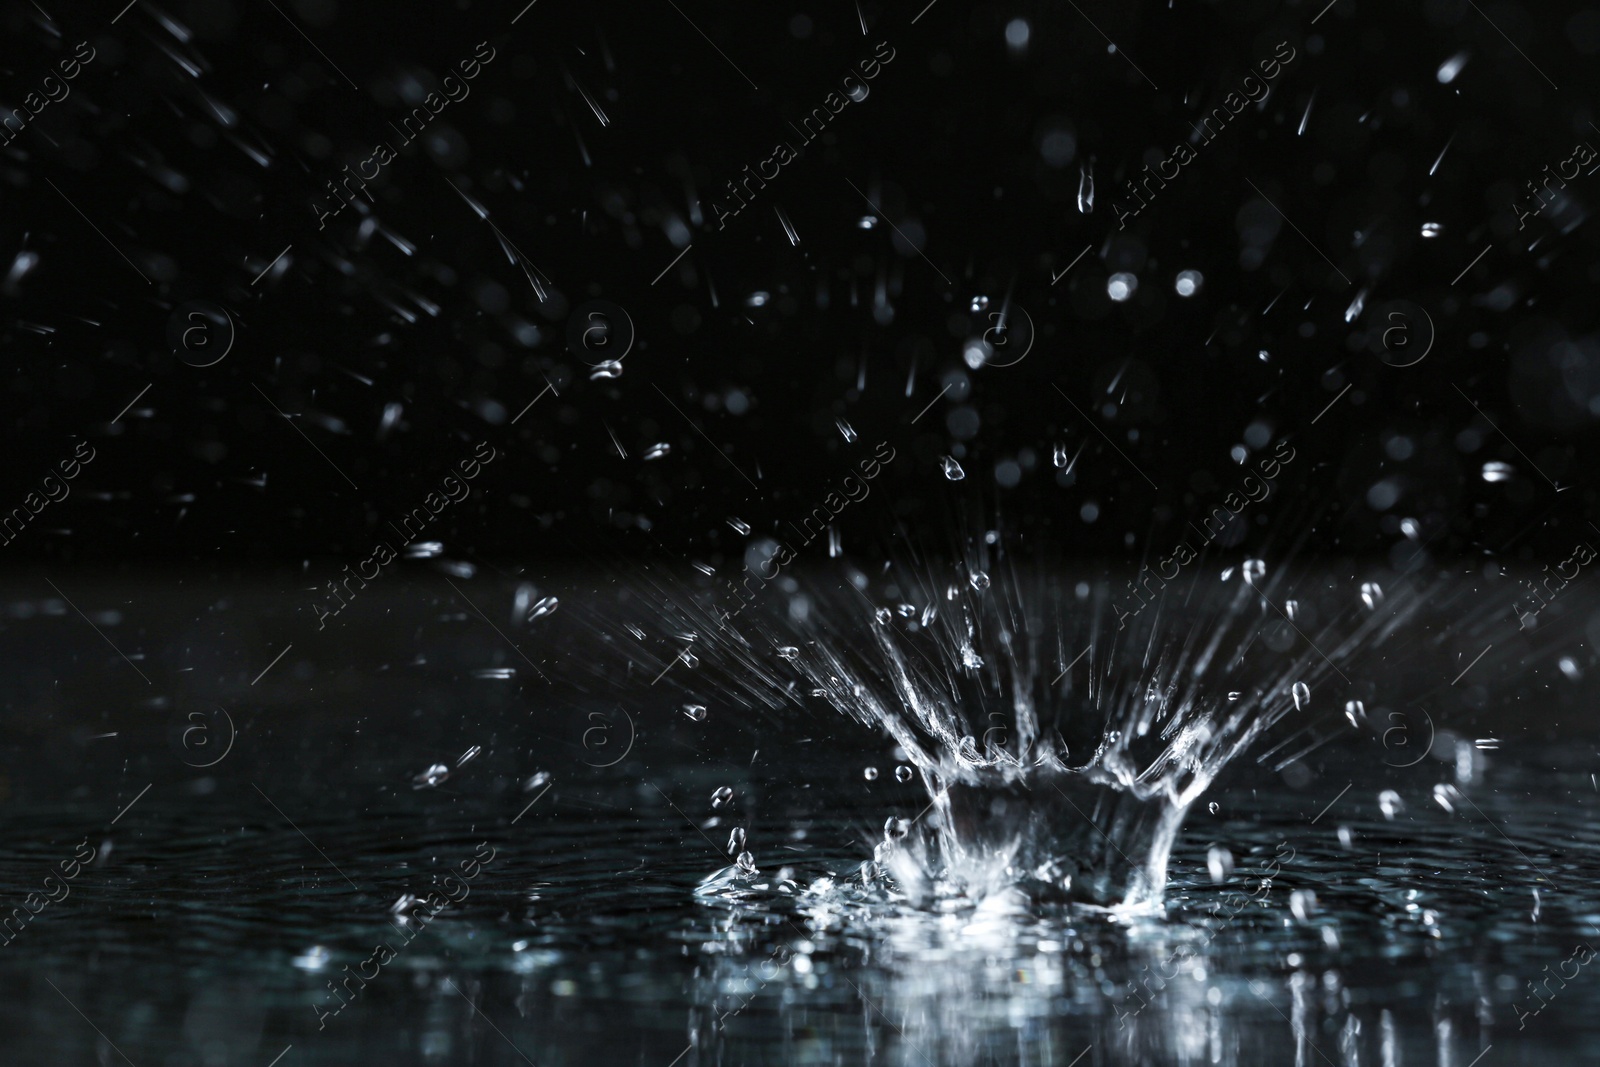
x=1451, y=67
x=538, y=781
x=902, y=773
x=1356, y=305
x=721, y=796
x=1219, y=864
x=952, y=469
x=1371, y=594
x=1495, y=471
x=658, y=450
x=1121, y=286
x=1059, y=457
x=846, y=430
x=788, y=652
x=696, y=712
x=1254, y=570
x=1302, y=695
x=1487, y=744
x=1389, y=803
x=1213, y=807
x=689, y=659
x=1447, y=796
x=431, y=777
x=609, y=368
x=1086, y=189
x=870, y=774
x=895, y=829
x=736, y=841
x=1432, y=229
x=544, y=607
x=1303, y=903
x=739, y=526
x=979, y=305
x=1356, y=712
x=979, y=580
x=1291, y=608
x=1189, y=282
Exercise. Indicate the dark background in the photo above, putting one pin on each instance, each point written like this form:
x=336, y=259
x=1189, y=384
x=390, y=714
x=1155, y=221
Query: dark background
x=950, y=144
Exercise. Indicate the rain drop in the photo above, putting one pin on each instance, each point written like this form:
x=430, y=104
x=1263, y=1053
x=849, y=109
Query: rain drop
x=952, y=469
x=1121, y=286
x=1302, y=695
x=980, y=304
x=1219, y=864
x=1389, y=803
x=723, y=795
x=696, y=712
x=979, y=580
x=609, y=368
x=1189, y=282
x=431, y=777
x=1086, y=190
x=1495, y=471
x=1371, y=594
x=870, y=774
x=736, y=841
x=1060, y=456
x=656, y=451
x=1254, y=570
x=544, y=607
x=902, y=773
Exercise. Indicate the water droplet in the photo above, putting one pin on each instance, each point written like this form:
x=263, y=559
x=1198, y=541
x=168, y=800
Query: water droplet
x=1291, y=608
x=1451, y=67
x=1086, y=189
x=739, y=526
x=696, y=712
x=1389, y=803
x=1447, y=796
x=980, y=304
x=1213, y=807
x=736, y=841
x=846, y=430
x=1356, y=712
x=867, y=222
x=1302, y=695
x=895, y=829
x=1569, y=667
x=1121, y=286
x=871, y=774
x=788, y=652
x=1371, y=594
x=978, y=580
x=431, y=777
x=1219, y=864
x=757, y=299
x=1060, y=455
x=902, y=773
x=496, y=673
x=747, y=863
x=609, y=368
x=1189, y=282
x=424, y=549
x=468, y=756
x=952, y=469
x=1487, y=744
x=1356, y=305
x=723, y=795
x=657, y=450
x=538, y=781
x=1346, y=838
x=1303, y=902
x=1233, y=696
x=1254, y=570
x=544, y=607
x=1495, y=471
x=689, y=659
x=884, y=616
x=1432, y=229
